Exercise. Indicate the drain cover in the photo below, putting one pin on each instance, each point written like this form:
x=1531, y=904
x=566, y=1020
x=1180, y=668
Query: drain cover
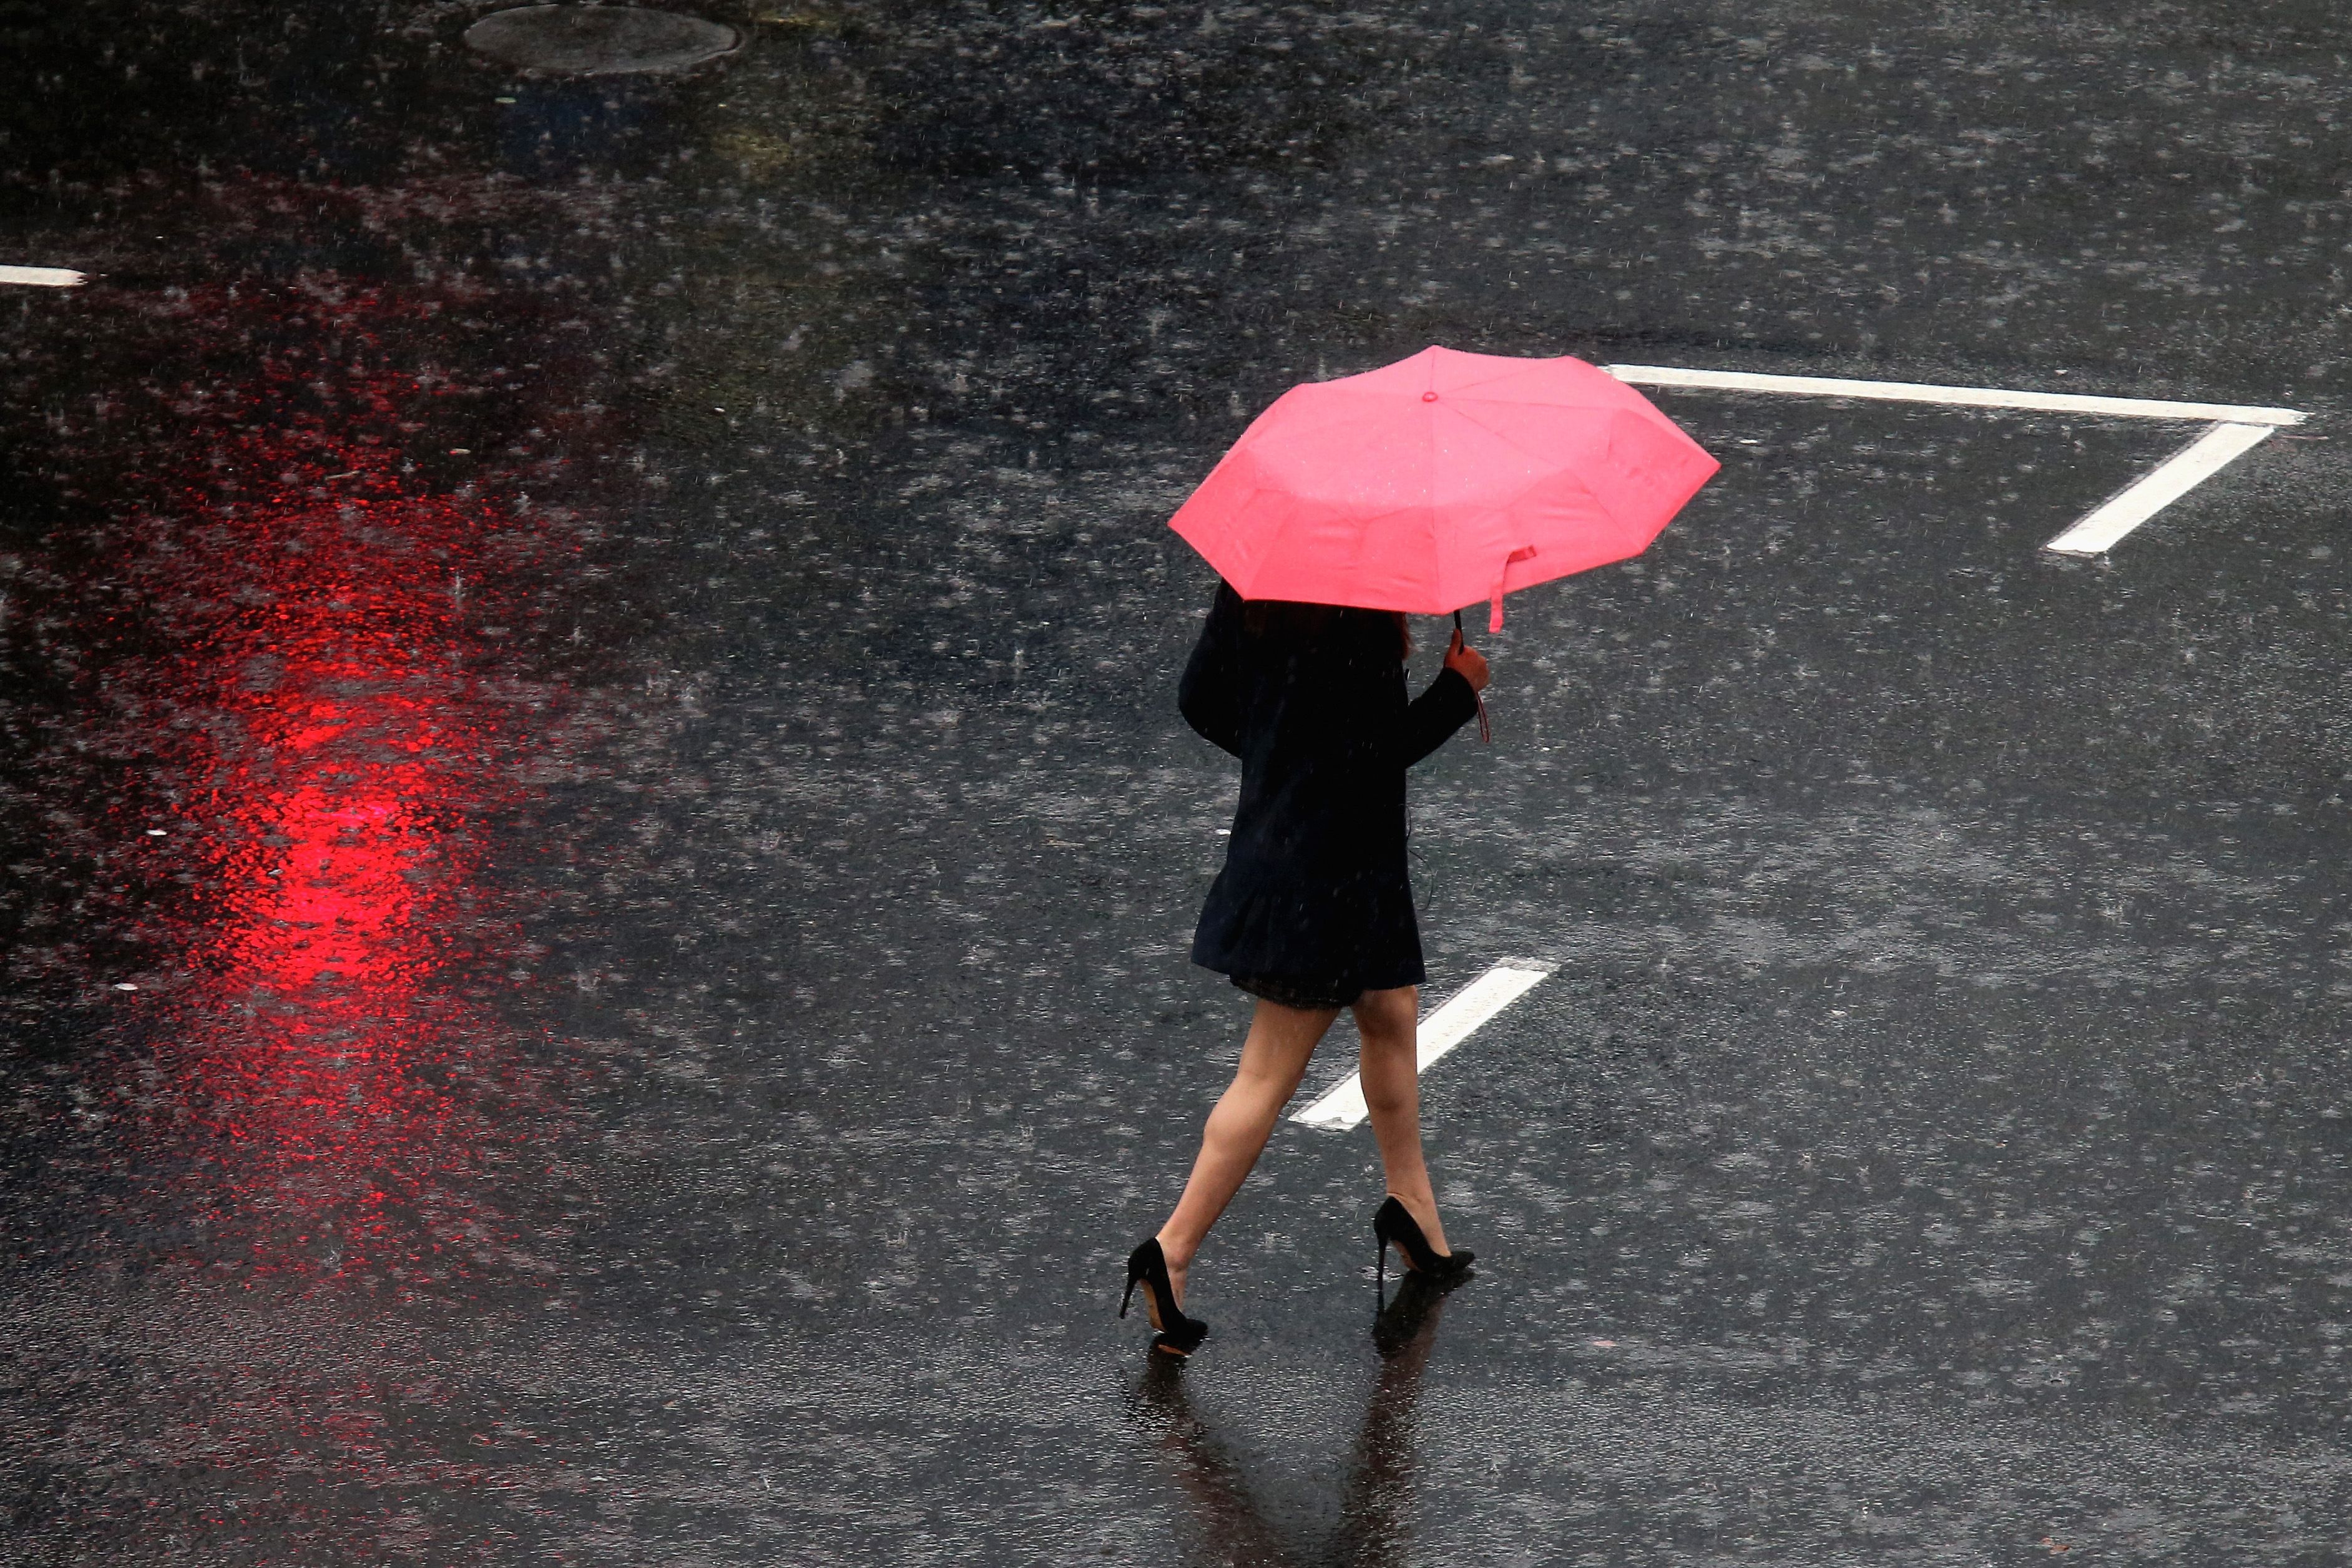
x=598, y=40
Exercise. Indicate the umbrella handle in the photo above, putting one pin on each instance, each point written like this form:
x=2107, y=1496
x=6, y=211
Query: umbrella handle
x=1486, y=735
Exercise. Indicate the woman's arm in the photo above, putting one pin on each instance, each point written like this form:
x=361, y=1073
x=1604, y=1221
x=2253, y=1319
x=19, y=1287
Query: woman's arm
x=1432, y=717
x=1209, y=696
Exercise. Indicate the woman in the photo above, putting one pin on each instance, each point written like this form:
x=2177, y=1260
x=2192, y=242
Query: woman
x=1313, y=912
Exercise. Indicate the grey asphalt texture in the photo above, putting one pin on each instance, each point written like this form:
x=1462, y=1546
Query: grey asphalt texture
x=601, y=655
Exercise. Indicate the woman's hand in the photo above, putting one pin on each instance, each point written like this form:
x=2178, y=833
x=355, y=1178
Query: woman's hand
x=1466, y=661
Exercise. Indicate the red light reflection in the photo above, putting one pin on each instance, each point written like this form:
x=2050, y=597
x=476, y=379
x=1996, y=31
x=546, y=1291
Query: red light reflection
x=351, y=721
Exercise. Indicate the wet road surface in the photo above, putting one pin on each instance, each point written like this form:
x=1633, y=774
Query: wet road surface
x=600, y=854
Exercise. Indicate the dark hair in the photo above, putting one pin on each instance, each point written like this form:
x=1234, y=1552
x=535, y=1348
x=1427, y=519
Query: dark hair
x=1291, y=619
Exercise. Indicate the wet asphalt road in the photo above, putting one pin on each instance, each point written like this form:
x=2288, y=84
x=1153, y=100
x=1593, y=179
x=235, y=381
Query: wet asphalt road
x=599, y=853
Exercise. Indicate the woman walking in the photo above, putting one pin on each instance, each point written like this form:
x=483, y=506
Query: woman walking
x=1313, y=912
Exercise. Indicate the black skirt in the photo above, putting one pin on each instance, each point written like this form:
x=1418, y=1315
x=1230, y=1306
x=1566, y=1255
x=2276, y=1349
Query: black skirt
x=1307, y=996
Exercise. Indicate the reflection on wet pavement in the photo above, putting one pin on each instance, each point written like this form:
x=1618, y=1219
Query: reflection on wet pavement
x=1374, y=1529
x=336, y=722
x=295, y=1067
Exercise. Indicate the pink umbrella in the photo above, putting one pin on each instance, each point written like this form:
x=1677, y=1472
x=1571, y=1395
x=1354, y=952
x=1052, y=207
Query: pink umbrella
x=1440, y=481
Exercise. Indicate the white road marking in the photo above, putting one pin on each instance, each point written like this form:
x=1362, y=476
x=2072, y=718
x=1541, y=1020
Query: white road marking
x=2184, y=471
x=43, y=277
x=1439, y=1033
x=1950, y=396
x=2235, y=428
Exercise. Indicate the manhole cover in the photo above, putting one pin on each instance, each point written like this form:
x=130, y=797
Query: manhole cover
x=598, y=40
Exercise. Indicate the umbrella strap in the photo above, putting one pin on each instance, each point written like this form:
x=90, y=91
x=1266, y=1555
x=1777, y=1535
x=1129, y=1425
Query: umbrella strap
x=1495, y=600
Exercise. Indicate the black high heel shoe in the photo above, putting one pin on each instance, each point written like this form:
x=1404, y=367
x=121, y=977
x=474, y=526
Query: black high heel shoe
x=1393, y=1226
x=1147, y=1266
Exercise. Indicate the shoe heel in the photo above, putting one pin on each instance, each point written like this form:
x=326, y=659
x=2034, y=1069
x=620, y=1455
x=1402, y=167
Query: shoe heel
x=1178, y=1335
x=1393, y=1226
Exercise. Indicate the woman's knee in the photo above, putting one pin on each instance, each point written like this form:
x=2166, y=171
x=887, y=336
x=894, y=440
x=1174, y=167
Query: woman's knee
x=1386, y=1017
x=1264, y=1080
x=1269, y=1073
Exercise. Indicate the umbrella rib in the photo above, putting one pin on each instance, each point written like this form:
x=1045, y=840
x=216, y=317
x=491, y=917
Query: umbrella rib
x=1258, y=547
x=1300, y=426
x=1548, y=397
x=1497, y=435
x=1520, y=494
x=1511, y=442
x=1366, y=525
x=1597, y=499
x=1331, y=411
x=1429, y=500
x=1490, y=379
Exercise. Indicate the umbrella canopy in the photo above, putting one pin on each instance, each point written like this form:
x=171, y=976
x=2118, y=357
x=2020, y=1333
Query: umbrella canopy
x=1440, y=481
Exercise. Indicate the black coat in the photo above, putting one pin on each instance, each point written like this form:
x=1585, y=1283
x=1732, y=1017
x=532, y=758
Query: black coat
x=1312, y=699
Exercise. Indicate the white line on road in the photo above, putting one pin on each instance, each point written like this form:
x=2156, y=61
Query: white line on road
x=1443, y=1030
x=1950, y=396
x=43, y=277
x=2235, y=428
x=2188, y=468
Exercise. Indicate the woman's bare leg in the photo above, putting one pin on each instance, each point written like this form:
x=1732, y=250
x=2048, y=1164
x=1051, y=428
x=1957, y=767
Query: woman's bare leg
x=1273, y=1059
x=1388, y=1021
